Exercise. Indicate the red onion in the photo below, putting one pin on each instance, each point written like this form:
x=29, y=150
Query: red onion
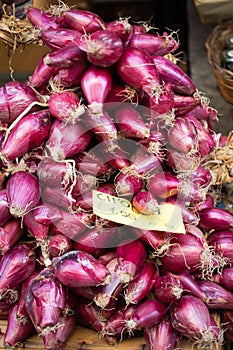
x=203, y=112
x=15, y=97
x=66, y=140
x=80, y=269
x=143, y=161
x=16, y=265
x=95, y=240
x=83, y=21
x=130, y=122
x=222, y=242
x=71, y=76
x=45, y=301
x=23, y=193
x=227, y=319
x=16, y=331
x=42, y=74
x=217, y=297
x=103, y=47
x=65, y=106
x=127, y=184
x=10, y=233
x=167, y=289
x=115, y=325
x=171, y=73
x=183, y=104
x=121, y=27
x=59, y=37
x=28, y=133
x=225, y=278
x=162, y=336
x=131, y=256
x=54, y=173
x=136, y=68
x=163, y=185
x=40, y=19
x=39, y=231
x=142, y=284
x=148, y=313
x=154, y=44
x=47, y=214
x=71, y=225
x=157, y=240
x=189, y=217
x=215, y=219
x=91, y=163
x=191, y=318
x=182, y=162
x=59, y=245
x=189, y=253
x=64, y=57
x=144, y=202
x=110, y=295
x=182, y=135
x=96, y=83
x=5, y=214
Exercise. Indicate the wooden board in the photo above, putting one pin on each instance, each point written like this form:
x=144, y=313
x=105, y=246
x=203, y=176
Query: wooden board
x=87, y=339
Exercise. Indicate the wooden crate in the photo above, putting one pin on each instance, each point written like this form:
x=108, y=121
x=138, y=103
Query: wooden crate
x=88, y=339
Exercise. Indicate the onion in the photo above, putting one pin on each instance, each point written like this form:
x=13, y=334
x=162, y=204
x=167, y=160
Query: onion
x=15, y=97
x=40, y=19
x=59, y=245
x=225, y=278
x=142, y=284
x=121, y=27
x=136, y=68
x=163, y=185
x=154, y=44
x=64, y=57
x=83, y=21
x=79, y=269
x=162, y=336
x=217, y=297
x=23, y=193
x=65, y=106
x=66, y=140
x=131, y=256
x=60, y=37
x=70, y=76
x=215, y=219
x=167, y=289
x=144, y=202
x=10, y=233
x=184, y=104
x=222, y=242
x=191, y=317
x=103, y=47
x=42, y=74
x=28, y=133
x=169, y=72
x=5, y=214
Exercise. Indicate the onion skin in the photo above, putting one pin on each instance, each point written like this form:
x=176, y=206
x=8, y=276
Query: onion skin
x=191, y=318
x=182, y=135
x=59, y=245
x=23, y=193
x=15, y=97
x=144, y=202
x=122, y=28
x=127, y=184
x=215, y=219
x=39, y=231
x=169, y=72
x=30, y=132
x=51, y=172
x=222, y=242
x=79, y=269
x=41, y=20
x=83, y=21
x=167, y=289
x=142, y=284
x=70, y=76
x=162, y=336
x=47, y=214
x=64, y=57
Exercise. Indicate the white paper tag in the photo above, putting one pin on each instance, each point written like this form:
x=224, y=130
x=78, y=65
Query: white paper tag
x=167, y=218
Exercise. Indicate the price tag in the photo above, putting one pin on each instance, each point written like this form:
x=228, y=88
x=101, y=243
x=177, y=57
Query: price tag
x=167, y=217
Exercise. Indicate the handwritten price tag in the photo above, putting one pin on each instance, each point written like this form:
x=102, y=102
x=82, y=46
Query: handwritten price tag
x=167, y=217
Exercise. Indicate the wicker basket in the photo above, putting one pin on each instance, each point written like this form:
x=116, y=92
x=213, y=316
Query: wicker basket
x=215, y=44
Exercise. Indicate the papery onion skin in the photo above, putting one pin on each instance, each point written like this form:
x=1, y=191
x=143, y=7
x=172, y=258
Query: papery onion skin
x=40, y=19
x=217, y=297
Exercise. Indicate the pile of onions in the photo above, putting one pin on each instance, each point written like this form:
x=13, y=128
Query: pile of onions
x=107, y=109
